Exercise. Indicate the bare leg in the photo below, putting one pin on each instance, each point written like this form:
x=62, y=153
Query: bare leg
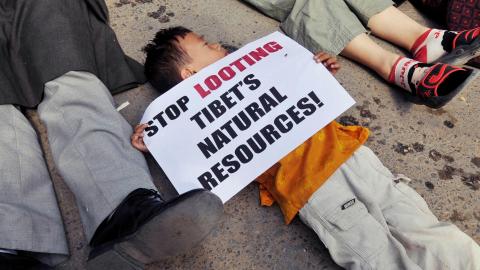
x=366, y=52
x=394, y=26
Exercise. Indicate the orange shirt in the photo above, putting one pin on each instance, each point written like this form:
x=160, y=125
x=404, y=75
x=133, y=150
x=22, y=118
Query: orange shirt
x=292, y=180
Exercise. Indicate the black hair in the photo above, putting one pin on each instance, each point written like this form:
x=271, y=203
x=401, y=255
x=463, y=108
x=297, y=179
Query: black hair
x=165, y=57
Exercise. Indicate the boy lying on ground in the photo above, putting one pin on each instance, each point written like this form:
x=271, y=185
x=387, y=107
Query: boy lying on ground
x=367, y=217
x=338, y=27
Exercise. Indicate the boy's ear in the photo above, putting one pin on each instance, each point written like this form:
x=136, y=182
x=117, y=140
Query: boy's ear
x=186, y=72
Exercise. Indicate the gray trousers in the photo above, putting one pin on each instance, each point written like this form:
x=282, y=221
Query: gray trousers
x=90, y=142
x=322, y=25
x=388, y=226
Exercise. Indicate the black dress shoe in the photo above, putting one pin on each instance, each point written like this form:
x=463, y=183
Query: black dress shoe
x=20, y=262
x=145, y=229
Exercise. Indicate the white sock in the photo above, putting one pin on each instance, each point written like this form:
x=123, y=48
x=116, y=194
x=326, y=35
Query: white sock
x=403, y=75
x=428, y=47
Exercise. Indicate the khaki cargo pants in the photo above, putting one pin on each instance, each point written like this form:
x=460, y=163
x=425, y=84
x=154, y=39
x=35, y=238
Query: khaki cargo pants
x=322, y=25
x=370, y=219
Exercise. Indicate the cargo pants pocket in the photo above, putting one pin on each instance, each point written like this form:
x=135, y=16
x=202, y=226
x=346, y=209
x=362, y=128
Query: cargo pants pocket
x=358, y=230
x=351, y=234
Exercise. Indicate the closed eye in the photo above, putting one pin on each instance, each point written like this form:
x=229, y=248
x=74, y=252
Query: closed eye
x=203, y=39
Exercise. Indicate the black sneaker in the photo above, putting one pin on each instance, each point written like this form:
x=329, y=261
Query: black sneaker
x=20, y=262
x=464, y=47
x=441, y=83
x=144, y=229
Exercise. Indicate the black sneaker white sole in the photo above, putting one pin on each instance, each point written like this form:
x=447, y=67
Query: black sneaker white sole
x=440, y=101
x=462, y=54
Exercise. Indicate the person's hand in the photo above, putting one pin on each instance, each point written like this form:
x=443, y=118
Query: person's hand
x=329, y=61
x=137, y=138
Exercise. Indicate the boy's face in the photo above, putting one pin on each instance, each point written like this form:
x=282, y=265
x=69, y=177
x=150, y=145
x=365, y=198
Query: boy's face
x=201, y=53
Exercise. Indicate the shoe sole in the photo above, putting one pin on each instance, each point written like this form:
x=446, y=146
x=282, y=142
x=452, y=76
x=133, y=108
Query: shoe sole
x=438, y=102
x=193, y=215
x=462, y=54
x=114, y=259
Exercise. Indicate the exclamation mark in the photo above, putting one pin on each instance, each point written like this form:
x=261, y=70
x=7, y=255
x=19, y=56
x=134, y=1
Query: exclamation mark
x=314, y=97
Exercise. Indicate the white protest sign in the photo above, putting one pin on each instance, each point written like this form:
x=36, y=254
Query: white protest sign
x=230, y=122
